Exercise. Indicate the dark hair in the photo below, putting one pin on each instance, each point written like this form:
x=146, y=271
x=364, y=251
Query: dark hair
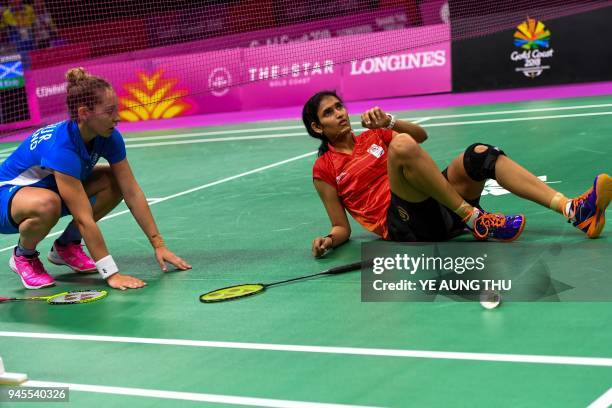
x=310, y=114
x=83, y=90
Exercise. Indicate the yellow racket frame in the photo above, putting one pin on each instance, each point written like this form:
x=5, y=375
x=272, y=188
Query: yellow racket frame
x=232, y=292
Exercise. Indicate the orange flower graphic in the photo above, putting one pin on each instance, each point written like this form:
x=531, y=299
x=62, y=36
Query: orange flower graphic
x=154, y=97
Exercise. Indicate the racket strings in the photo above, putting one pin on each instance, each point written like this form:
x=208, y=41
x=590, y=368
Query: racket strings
x=78, y=297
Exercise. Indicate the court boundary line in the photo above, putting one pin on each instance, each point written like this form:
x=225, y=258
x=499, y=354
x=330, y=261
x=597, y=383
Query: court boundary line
x=292, y=127
x=521, y=119
x=360, y=351
x=459, y=115
x=303, y=134
x=605, y=401
x=185, y=396
x=6, y=152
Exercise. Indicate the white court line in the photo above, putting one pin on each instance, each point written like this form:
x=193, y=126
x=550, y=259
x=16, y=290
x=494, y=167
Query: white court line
x=212, y=140
x=185, y=396
x=294, y=127
x=476, y=122
x=231, y=132
x=510, y=112
x=273, y=128
x=129, y=144
x=207, y=140
x=427, y=126
x=217, y=132
x=443, y=355
x=214, y=183
x=605, y=401
x=8, y=150
x=226, y=139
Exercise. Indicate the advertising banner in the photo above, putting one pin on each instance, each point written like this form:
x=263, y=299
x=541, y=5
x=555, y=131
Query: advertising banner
x=50, y=90
x=536, y=52
x=286, y=75
x=50, y=83
x=408, y=62
x=190, y=84
x=209, y=79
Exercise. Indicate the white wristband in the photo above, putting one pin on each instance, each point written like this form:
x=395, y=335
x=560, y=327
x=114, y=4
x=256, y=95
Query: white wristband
x=391, y=121
x=107, y=267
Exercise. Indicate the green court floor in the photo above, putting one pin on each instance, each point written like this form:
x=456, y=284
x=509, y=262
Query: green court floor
x=238, y=203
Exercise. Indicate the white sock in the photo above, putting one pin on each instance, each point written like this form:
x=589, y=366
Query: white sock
x=569, y=211
x=470, y=221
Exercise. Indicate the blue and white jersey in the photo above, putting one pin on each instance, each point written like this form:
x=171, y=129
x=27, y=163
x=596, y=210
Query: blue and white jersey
x=58, y=147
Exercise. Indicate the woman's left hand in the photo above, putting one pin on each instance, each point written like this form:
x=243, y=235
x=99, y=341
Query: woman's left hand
x=164, y=255
x=375, y=118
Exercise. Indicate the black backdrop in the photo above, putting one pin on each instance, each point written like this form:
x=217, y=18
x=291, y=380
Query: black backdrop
x=582, y=46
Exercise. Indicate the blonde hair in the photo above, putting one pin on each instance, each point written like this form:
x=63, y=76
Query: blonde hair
x=83, y=90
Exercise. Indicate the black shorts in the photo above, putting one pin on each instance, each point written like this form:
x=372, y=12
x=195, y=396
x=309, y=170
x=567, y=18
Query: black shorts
x=425, y=221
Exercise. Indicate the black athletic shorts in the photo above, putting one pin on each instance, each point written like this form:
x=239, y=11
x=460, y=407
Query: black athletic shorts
x=425, y=221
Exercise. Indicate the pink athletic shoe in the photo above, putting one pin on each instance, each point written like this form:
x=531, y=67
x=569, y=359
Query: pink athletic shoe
x=73, y=256
x=31, y=271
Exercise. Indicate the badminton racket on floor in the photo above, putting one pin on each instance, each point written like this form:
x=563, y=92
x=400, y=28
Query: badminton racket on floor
x=64, y=298
x=250, y=289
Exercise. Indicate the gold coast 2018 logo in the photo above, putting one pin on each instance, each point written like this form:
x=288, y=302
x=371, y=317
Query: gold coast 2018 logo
x=533, y=40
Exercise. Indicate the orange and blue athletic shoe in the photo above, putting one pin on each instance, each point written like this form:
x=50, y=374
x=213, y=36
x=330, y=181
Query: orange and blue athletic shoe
x=587, y=212
x=498, y=226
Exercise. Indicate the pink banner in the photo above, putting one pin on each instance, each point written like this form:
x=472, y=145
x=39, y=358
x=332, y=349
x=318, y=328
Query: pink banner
x=209, y=78
x=188, y=84
x=50, y=90
x=286, y=75
x=170, y=87
x=51, y=83
x=412, y=62
x=406, y=62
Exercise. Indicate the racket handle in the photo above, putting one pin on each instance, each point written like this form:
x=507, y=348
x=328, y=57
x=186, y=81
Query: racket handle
x=3, y=299
x=347, y=268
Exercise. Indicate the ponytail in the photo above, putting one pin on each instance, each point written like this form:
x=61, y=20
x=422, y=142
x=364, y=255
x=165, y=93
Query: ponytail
x=83, y=90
